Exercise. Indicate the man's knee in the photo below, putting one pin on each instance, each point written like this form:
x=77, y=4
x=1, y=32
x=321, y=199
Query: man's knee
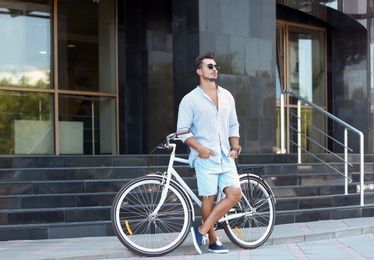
x=233, y=193
x=208, y=199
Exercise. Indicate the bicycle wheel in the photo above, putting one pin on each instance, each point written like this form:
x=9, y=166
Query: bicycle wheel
x=255, y=214
x=137, y=228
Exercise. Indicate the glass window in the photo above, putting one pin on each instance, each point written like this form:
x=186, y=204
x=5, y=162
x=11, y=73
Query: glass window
x=87, y=63
x=26, y=125
x=306, y=5
x=306, y=66
x=86, y=45
x=25, y=44
x=87, y=125
x=331, y=3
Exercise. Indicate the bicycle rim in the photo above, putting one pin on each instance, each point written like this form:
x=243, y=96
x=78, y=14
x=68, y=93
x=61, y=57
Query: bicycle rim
x=143, y=233
x=253, y=228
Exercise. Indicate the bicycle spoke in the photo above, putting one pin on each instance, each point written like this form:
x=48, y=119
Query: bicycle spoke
x=140, y=228
x=254, y=227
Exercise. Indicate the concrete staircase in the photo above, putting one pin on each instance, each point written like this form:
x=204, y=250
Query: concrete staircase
x=47, y=197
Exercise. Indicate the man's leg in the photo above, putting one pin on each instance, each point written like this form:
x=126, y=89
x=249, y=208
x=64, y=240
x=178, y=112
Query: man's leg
x=207, y=184
x=206, y=209
x=233, y=196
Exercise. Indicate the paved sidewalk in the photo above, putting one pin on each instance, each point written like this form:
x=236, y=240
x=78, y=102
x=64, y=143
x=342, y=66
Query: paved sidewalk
x=331, y=239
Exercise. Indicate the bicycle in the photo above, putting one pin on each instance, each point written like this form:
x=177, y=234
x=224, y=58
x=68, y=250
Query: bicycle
x=152, y=215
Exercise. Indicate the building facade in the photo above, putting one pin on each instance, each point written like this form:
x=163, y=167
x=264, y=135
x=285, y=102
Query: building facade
x=106, y=77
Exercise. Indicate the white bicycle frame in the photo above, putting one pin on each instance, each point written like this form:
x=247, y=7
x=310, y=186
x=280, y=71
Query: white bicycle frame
x=172, y=172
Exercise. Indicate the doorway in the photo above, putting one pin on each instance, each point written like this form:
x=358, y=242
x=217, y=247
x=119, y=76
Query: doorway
x=301, y=67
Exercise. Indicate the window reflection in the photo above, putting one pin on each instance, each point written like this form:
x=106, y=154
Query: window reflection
x=87, y=125
x=330, y=3
x=307, y=64
x=25, y=44
x=305, y=5
x=26, y=123
x=86, y=40
x=87, y=48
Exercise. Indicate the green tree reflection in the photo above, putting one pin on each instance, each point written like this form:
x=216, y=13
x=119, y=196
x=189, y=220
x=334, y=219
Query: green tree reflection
x=15, y=105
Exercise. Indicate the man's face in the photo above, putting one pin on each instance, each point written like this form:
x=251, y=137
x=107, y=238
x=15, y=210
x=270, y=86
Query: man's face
x=208, y=70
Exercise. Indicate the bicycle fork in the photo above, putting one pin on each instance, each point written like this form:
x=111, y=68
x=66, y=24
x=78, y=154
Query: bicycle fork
x=167, y=177
x=165, y=188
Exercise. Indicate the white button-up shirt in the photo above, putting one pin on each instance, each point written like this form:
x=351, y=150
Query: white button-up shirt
x=210, y=126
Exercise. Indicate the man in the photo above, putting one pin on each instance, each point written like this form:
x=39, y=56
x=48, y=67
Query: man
x=208, y=113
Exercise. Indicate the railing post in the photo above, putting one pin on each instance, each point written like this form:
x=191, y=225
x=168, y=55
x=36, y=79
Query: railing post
x=362, y=203
x=346, y=160
x=299, y=131
x=93, y=126
x=282, y=125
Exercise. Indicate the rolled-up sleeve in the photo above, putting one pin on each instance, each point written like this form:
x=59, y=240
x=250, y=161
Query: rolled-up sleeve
x=184, y=137
x=233, y=121
x=185, y=116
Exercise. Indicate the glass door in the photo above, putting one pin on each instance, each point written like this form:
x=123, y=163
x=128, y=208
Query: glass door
x=301, y=67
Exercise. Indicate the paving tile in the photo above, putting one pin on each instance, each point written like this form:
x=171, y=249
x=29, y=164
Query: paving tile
x=332, y=239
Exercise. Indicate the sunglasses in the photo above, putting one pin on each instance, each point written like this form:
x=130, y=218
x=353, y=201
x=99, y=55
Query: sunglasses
x=211, y=66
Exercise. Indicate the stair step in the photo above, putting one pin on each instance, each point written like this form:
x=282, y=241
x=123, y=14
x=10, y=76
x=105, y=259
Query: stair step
x=51, y=161
x=54, y=215
x=82, y=173
x=104, y=227
x=56, y=230
x=36, y=202
x=51, y=196
x=115, y=172
x=316, y=214
x=70, y=208
x=311, y=190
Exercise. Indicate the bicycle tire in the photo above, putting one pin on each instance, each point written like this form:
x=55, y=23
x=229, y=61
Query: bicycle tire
x=142, y=233
x=255, y=227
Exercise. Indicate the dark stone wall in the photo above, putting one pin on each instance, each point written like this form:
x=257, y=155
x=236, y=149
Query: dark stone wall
x=349, y=88
x=159, y=41
x=242, y=35
x=145, y=62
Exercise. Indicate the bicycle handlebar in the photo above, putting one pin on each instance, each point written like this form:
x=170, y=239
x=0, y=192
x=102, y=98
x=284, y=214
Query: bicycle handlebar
x=173, y=136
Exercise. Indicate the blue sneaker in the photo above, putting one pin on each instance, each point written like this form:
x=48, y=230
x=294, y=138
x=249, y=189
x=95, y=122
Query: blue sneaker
x=218, y=248
x=197, y=238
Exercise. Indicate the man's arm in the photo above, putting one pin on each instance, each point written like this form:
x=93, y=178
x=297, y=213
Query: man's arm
x=203, y=151
x=235, y=148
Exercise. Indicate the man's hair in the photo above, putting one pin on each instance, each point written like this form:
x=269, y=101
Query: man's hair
x=199, y=60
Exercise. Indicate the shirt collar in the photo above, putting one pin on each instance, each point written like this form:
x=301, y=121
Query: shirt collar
x=202, y=91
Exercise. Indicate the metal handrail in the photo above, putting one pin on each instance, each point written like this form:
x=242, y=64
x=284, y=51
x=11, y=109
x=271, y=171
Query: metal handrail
x=345, y=145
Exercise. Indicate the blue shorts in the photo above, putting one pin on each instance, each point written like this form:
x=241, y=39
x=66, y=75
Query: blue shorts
x=212, y=176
